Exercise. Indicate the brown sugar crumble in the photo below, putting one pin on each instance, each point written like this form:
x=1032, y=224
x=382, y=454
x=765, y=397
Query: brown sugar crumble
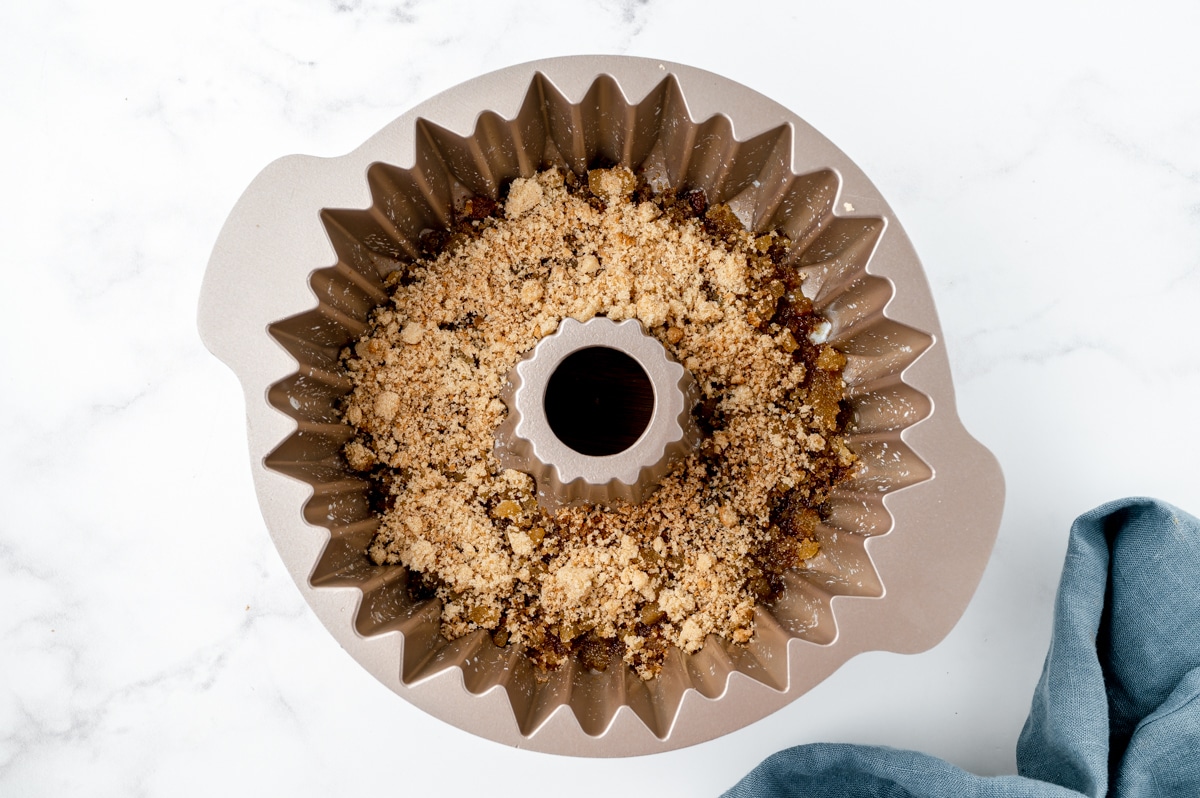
x=596, y=583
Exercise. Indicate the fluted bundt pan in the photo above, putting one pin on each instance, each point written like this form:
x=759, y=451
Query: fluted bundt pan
x=300, y=263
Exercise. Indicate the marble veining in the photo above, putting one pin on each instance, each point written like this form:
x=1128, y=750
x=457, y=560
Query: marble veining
x=1042, y=159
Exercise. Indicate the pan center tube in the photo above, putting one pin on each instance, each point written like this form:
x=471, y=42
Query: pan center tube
x=598, y=413
x=599, y=401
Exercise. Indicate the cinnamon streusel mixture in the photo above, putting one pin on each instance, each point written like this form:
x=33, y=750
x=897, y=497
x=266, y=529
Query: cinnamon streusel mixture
x=714, y=539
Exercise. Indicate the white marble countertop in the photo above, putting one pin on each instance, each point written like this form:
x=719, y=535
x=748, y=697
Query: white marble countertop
x=1044, y=159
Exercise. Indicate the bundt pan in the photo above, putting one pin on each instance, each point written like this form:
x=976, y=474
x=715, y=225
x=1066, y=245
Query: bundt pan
x=300, y=263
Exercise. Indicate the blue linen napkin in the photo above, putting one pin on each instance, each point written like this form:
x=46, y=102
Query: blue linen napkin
x=1117, y=710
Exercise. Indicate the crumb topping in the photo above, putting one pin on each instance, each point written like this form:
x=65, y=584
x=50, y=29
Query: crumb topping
x=598, y=583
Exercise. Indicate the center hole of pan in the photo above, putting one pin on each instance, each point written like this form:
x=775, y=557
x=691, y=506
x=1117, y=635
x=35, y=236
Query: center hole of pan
x=599, y=401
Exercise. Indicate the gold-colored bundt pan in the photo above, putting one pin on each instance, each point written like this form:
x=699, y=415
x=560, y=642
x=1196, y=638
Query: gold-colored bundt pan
x=300, y=263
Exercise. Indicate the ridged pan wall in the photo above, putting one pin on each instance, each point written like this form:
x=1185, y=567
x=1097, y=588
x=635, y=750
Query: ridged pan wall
x=654, y=136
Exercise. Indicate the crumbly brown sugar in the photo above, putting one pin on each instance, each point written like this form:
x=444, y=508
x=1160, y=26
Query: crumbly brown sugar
x=714, y=539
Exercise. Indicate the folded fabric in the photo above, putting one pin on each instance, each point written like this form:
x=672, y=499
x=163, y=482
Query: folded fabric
x=1117, y=710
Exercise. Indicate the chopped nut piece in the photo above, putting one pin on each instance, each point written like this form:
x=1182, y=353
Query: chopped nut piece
x=820, y=332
